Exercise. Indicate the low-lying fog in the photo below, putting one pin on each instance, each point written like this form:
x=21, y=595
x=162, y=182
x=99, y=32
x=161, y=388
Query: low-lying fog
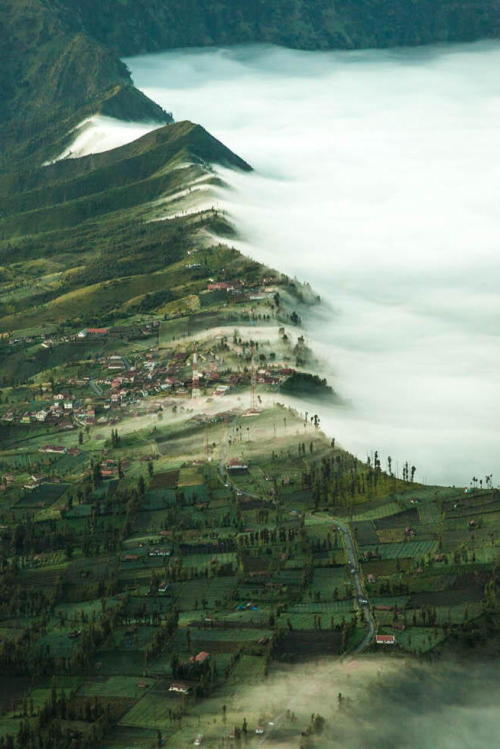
x=377, y=180
x=386, y=704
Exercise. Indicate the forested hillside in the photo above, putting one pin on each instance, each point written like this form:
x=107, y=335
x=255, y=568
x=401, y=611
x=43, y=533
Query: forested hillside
x=131, y=26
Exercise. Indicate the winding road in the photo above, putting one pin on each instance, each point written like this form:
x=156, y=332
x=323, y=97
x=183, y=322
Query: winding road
x=354, y=571
x=350, y=549
x=353, y=561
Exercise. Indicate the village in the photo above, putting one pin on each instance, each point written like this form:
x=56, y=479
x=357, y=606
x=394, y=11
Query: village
x=173, y=528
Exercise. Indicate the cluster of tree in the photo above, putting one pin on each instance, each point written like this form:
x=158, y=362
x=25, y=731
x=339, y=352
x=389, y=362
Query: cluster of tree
x=47, y=730
x=306, y=385
x=266, y=537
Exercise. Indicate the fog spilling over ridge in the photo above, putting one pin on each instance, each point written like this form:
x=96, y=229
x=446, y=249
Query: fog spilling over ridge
x=377, y=181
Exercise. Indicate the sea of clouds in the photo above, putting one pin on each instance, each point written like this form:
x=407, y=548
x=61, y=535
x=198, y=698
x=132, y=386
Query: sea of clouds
x=377, y=177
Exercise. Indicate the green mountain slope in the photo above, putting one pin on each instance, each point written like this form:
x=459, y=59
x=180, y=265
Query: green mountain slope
x=80, y=229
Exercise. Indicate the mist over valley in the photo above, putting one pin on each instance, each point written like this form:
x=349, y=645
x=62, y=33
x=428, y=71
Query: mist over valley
x=375, y=180
x=249, y=374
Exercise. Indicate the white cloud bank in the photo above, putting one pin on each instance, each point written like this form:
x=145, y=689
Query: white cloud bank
x=378, y=177
x=377, y=180
x=100, y=133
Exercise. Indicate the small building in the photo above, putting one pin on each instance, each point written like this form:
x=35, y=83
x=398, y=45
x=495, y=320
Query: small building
x=385, y=639
x=220, y=286
x=97, y=331
x=179, y=687
x=237, y=466
x=201, y=657
x=160, y=553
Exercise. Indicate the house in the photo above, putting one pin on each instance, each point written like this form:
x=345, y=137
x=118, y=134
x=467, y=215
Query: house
x=221, y=389
x=201, y=657
x=385, y=639
x=66, y=424
x=236, y=466
x=220, y=286
x=179, y=687
x=52, y=449
x=97, y=331
x=160, y=553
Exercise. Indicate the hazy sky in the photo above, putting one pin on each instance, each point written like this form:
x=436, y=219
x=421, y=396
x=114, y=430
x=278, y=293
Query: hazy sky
x=377, y=180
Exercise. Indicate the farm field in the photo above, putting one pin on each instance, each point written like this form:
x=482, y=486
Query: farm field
x=170, y=529
x=245, y=583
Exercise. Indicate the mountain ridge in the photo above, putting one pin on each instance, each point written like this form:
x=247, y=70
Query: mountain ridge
x=61, y=58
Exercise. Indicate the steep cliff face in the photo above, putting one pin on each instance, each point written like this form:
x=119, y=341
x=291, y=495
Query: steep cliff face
x=131, y=26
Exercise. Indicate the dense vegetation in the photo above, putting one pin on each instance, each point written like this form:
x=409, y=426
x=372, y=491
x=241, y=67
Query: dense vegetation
x=161, y=550
x=306, y=385
x=131, y=26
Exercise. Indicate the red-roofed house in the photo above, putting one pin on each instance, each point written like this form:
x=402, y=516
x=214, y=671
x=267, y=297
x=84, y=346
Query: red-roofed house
x=201, y=657
x=385, y=639
x=220, y=286
x=236, y=466
x=52, y=449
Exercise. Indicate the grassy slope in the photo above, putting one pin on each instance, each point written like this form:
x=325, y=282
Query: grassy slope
x=76, y=228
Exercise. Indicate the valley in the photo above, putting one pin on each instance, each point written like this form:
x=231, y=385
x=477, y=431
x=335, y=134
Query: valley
x=248, y=375
x=173, y=530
